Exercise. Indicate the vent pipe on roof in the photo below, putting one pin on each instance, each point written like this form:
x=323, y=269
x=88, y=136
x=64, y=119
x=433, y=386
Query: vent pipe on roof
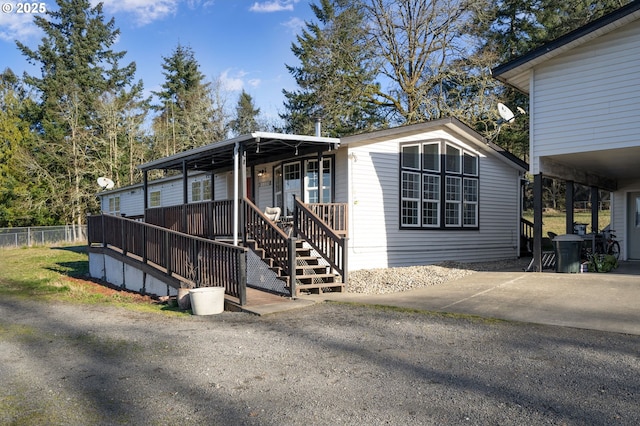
x=318, y=126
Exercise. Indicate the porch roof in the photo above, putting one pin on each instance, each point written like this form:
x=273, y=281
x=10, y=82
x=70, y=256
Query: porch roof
x=260, y=147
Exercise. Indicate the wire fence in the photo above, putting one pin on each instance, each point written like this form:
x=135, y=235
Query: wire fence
x=42, y=235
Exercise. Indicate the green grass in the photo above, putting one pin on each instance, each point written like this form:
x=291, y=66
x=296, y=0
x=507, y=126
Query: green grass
x=554, y=221
x=60, y=274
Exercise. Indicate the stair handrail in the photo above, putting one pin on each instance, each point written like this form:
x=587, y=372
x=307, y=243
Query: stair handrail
x=268, y=236
x=331, y=246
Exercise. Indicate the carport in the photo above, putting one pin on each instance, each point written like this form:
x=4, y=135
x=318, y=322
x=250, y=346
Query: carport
x=584, y=120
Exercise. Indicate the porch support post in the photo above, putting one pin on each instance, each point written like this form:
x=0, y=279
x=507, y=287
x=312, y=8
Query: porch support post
x=537, y=223
x=569, y=206
x=185, y=196
x=185, y=183
x=212, y=187
x=236, y=150
x=595, y=204
x=243, y=192
x=145, y=192
x=320, y=178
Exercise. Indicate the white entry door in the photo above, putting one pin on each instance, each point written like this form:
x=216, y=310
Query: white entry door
x=633, y=225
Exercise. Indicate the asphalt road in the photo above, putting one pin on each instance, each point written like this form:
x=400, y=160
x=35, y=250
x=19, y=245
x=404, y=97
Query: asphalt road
x=328, y=364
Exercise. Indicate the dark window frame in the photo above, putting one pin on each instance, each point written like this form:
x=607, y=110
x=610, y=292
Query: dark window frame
x=465, y=175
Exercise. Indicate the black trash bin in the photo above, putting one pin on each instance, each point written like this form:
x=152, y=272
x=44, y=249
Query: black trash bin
x=567, y=248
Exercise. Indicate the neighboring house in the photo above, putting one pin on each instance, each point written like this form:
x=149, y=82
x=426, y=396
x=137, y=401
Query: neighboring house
x=413, y=195
x=585, y=118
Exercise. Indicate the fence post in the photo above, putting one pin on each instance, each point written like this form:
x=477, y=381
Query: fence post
x=28, y=237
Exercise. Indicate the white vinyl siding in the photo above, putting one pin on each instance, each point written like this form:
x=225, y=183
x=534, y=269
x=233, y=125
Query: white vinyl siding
x=586, y=100
x=377, y=238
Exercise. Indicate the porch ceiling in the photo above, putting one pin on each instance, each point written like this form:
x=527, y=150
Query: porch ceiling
x=260, y=147
x=610, y=165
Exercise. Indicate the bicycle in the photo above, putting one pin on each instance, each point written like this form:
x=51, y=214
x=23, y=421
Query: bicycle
x=607, y=244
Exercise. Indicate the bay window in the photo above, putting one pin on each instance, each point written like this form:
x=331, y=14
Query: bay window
x=439, y=186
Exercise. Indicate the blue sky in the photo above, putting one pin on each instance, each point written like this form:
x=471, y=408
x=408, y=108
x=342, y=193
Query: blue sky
x=245, y=44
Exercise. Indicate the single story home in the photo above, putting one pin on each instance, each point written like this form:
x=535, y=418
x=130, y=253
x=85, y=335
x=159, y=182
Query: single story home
x=412, y=195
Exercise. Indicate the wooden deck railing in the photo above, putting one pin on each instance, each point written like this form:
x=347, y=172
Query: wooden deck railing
x=210, y=219
x=198, y=261
x=324, y=225
x=333, y=214
x=328, y=243
x=526, y=228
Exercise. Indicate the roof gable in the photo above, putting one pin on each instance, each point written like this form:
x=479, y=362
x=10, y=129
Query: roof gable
x=451, y=125
x=516, y=72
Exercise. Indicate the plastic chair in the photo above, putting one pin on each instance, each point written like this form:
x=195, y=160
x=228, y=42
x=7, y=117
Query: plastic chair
x=273, y=213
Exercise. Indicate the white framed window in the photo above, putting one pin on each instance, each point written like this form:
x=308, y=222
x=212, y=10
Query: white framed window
x=410, y=199
x=311, y=181
x=206, y=189
x=114, y=204
x=439, y=186
x=196, y=191
x=453, y=161
x=470, y=199
x=154, y=199
x=431, y=156
x=430, y=200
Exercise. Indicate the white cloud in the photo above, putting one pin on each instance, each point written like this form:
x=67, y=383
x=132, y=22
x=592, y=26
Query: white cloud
x=232, y=82
x=294, y=25
x=254, y=82
x=273, y=6
x=144, y=11
x=17, y=26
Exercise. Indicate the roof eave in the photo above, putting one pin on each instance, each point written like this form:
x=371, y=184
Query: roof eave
x=506, y=73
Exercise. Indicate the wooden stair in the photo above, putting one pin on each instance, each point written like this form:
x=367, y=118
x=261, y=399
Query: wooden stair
x=312, y=277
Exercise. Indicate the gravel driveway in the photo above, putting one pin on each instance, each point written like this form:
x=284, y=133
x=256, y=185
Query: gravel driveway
x=329, y=364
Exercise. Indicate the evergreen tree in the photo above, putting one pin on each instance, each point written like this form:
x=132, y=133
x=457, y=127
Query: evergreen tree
x=511, y=28
x=246, y=120
x=77, y=66
x=186, y=118
x=336, y=73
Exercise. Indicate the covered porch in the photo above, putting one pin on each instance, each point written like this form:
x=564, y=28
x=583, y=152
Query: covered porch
x=183, y=242
x=613, y=170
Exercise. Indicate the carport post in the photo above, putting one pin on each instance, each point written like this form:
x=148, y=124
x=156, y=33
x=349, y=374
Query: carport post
x=595, y=204
x=569, y=207
x=537, y=222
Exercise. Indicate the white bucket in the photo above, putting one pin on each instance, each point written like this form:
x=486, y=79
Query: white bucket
x=580, y=228
x=207, y=300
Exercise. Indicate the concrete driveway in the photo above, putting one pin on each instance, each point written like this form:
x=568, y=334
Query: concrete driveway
x=606, y=302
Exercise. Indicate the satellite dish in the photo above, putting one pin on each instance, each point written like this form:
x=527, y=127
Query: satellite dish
x=506, y=114
x=105, y=182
